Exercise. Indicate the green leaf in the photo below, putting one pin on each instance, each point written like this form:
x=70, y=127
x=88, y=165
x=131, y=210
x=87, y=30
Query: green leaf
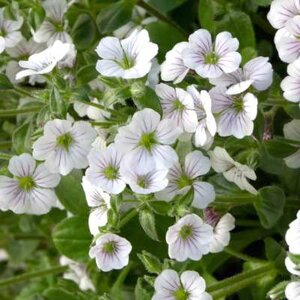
x=275, y=253
x=114, y=16
x=71, y=194
x=206, y=15
x=278, y=291
x=280, y=148
x=269, y=205
x=140, y=292
x=147, y=221
x=149, y=99
x=166, y=5
x=240, y=26
x=58, y=294
x=83, y=31
x=5, y=84
x=21, y=138
x=263, y=2
x=150, y=262
x=72, y=238
x=160, y=207
x=248, y=53
x=86, y=74
x=57, y=104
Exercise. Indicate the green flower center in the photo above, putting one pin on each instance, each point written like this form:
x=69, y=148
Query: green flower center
x=238, y=103
x=178, y=105
x=147, y=140
x=142, y=182
x=181, y=294
x=184, y=181
x=64, y=141
x=2, y=32
x=211, y=58
x=111, y=172
x=186, y=231
x=26, y=183
x=59, y=27
x=109, y=247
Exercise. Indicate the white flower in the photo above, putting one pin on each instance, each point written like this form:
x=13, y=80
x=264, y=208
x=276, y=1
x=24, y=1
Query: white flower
x=31, y=190
x=292, y=236
x=99, y=202
x=181, y=180
x=177, y=105
x=43, y=62
x=287, y=41
x=221, y=233
x=143, y=181
x=104, y=169
x=232, y=170
x=111, y=252
x=146, y=141
x=10, y=35
x=173, y=68
x=257, y=72
x=189, y=286
x=235, y=114
x=64, y=146
x=77, y=273
x=291, y=131
x=3, y=255
x=189, y=238
x=291, y=84
x=292, y=291
x=128, y=58
x=210, y=59
x=206, y=128
x=281, y=11
x=92, y=112
x=53, y=27
x=291, y=266
x=23, y=49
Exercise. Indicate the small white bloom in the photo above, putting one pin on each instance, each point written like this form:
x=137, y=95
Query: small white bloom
x=189, y=286
x=292, y=236
x=177, y=105
x=128, y=58
x=3, y=255
x=281, y=11
x=173, y=68
x=111, y=252
x=189, y=238
x=235, y=113
x=287, y=41
x=104, y=169
x=99, y=202
x=257, y=72
x=221, y=234
x=53, y=28
x=211, y=60
x=10, y=35
x=31, y=190
x=291, y=266
x=64, y=146
x=292, y=291
x=181, y=180
x=77, y=273
x=143, y=181
x=43, y=62
x=291, y=84
x=207, y=127
x=92, y=112
x=232, y=170
x=146, y=141
x=291, y=131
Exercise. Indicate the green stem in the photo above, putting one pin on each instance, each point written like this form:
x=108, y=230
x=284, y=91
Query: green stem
x=156, y=13
x=18, y=111
x=242, y=256
x=25, y=93
x=235, y=283
x=117, y=287
x=31, y=275
x=128, y=217
x=5, y=156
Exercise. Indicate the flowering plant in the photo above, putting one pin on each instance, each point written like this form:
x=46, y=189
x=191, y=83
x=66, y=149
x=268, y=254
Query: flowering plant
x=149, y=149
